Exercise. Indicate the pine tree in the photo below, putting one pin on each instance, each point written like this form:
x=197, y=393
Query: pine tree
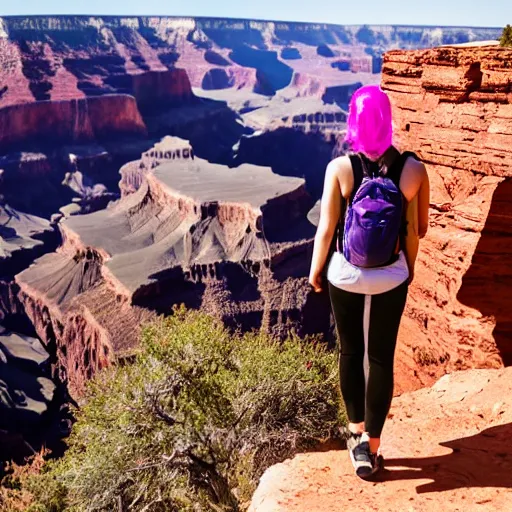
x=506, y=36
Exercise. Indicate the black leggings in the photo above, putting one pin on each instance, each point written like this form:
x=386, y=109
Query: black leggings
x=367, y=384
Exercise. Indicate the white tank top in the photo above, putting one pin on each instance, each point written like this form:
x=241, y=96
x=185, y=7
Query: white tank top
x=367, y=281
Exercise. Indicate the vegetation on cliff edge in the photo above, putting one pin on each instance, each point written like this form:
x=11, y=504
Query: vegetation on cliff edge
x=506, y=36
x=192, y=424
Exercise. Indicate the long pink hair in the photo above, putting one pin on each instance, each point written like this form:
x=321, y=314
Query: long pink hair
x=370, y=124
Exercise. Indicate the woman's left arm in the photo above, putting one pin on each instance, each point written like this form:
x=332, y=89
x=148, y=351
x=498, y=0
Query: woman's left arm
x=330, y=211
x=423, y=204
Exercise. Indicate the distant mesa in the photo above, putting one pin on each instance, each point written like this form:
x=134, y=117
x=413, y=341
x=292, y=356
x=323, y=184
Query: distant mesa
x=217, y=78
x=325, y=51
x=290, y=54
x=272, y=74
x=342, y=65
x=215, y=58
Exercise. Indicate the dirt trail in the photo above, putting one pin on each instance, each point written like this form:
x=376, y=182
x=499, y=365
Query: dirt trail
x=447, y=449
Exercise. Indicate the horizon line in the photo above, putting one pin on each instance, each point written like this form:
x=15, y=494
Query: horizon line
x=258, y=20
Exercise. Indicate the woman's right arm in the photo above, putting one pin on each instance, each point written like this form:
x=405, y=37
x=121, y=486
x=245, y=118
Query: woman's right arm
x=330, y=211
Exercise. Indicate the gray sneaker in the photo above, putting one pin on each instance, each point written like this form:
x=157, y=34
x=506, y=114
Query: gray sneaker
x=365, y=463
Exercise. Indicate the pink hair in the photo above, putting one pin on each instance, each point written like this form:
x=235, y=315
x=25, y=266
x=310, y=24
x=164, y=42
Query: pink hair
x=369, y=126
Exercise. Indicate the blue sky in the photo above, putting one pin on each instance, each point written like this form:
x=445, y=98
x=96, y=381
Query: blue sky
x=482, y=13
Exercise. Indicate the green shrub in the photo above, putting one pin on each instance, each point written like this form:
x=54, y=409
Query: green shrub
x=192, y=424
x=506, y=36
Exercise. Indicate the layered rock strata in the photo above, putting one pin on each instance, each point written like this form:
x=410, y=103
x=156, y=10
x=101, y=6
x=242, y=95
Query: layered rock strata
x=69, y=122
x=235, y=242
x=453, y=106
x=69, y=57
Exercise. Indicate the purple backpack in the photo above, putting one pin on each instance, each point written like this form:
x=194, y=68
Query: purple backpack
x=374, y=218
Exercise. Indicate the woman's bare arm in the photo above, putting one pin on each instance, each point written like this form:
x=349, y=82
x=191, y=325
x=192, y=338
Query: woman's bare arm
x=414, y=184
x=330, y=211
x=423, y=205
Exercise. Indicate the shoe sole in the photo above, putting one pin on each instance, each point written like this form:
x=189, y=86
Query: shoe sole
x=379, y=466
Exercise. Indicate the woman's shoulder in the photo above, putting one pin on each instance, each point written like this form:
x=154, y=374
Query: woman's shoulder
x=339, y=170
x=413, y=174
x=414, y=167
x=341, y=166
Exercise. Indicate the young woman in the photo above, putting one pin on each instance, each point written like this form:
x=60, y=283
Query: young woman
x=367, y=302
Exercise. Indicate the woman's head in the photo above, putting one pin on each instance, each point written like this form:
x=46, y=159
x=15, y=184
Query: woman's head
x=370, y=128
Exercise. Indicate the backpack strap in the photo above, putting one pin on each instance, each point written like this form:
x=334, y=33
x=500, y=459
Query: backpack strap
x=357, y=170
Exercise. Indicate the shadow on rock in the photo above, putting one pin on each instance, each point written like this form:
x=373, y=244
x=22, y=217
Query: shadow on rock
x=486, y=284
x=482, y=460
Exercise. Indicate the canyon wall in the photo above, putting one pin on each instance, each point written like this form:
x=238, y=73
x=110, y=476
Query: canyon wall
x=453, y=107
x=69, y=122
x=91, y=81
x=69, y=57
x=234, y=242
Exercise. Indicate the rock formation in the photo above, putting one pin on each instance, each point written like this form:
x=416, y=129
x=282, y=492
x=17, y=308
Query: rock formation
x=22, y=239
x=294, y=136
x=69, y=122
x=452, y=106
x=69, y=57
x=446, y=448
x=234, y=242
x=26, y=389
x=58, y=73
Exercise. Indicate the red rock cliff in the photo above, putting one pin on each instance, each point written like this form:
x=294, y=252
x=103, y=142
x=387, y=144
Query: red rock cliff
x=452, y=105
x=159, y=89
x=70, y=121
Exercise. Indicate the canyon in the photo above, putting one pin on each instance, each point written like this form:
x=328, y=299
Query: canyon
x=147, y=162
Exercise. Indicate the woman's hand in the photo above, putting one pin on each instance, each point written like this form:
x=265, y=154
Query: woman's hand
x=315, y=280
